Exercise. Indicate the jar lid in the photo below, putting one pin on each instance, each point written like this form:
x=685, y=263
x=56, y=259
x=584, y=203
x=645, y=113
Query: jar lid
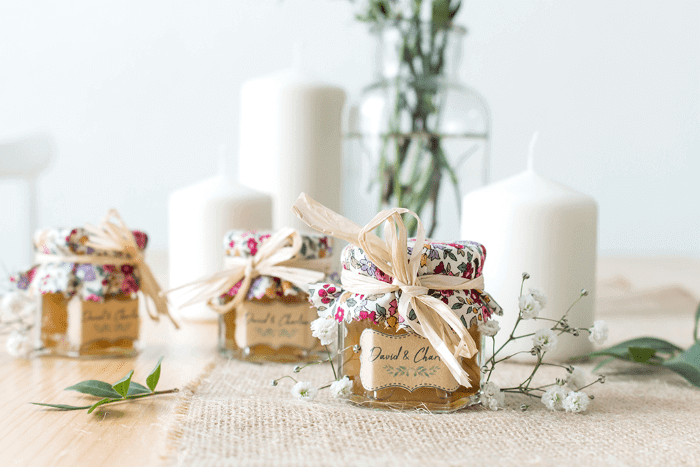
x=60, y=241
x=463, y=258
x=245, y=243
x=89, y=281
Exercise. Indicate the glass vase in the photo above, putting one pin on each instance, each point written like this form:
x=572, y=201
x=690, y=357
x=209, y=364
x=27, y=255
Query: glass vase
x=421, y=134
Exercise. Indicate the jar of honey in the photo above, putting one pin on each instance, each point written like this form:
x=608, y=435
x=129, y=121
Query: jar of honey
x=391, y=365
x=85, y=308
x=271, y=323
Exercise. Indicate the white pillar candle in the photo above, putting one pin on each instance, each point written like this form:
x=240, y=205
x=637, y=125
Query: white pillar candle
x=199, y=216
x=290, y=141
x=531, y=224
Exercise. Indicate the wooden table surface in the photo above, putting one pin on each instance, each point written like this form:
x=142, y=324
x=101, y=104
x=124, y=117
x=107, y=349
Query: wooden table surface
x=133, y=434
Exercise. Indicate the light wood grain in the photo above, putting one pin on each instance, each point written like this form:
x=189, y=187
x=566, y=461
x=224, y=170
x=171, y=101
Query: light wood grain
x=128, y=434
x=132, y=434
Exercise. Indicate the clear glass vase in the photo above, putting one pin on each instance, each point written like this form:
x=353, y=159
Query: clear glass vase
x=423, y=135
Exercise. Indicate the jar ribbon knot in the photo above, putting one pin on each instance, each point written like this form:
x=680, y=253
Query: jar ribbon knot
x=276, y=257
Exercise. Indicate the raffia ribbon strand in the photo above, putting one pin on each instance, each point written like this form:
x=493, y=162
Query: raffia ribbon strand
x=114, y=235
x=274, y=258
x=435, y=320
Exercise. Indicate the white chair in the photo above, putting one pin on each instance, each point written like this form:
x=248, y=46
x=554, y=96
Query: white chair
x=25, y=159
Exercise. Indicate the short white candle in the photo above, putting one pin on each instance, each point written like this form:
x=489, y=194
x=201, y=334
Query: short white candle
x=531, y=224
x=199, y=216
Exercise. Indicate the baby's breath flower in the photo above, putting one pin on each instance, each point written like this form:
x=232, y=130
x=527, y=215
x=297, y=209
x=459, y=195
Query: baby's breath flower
x=356, y=348
x=554, y=397
x=17, y=304
x=297, y=369
x=492, y=397
x=526, y=275
x=529, y=307
x=539, y=297
x=273, y=382
x=576, y=379
x=18, y=344
x=599, y=332
x=341, y=388
x=304, y=390
x=490, y=328
x=576, y=402
x=325, y=329
x=545, y=340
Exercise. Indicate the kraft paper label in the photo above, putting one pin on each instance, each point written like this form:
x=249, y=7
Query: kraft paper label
x=275, y=325
x=407, y=361
x=111, y=320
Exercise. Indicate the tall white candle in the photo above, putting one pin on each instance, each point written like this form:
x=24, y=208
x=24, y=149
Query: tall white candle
x=199, y=216
x=290, y=141
x=531, y=224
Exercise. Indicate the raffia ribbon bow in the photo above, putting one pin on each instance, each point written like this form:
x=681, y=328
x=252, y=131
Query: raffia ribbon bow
x=114, y=235
x=275, y=258
x=435, y=320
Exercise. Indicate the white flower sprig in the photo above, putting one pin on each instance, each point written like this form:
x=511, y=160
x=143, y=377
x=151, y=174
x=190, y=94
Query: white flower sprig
x=326, y=330
x=564, y=394
x=17, y=310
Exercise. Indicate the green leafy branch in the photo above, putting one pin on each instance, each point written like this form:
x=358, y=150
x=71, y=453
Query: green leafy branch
x=653, y=351
x=122, y=390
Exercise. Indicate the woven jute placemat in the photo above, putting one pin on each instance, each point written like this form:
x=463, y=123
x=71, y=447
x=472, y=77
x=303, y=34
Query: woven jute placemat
x=233, y=416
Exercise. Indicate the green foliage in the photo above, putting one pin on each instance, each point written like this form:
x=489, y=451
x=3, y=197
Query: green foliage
x=122, y=390
x=695, y=329
x=154, y=376
x=94, y=388
x=687, y=364
x=122, y=386
x=656, y=352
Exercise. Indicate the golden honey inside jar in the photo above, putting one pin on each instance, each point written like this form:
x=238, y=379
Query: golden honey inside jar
x=84, y=309
x=390, y=365
x=272, y=322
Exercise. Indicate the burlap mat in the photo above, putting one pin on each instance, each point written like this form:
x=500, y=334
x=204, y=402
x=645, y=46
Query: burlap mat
x=235, y=417
x=640, y=416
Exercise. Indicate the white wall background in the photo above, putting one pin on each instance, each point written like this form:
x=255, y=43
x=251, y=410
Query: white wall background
x=138, y=96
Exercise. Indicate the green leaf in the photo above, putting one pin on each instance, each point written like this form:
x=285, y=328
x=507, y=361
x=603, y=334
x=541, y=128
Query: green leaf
x=697, y=320
x=641, y=354
x=61, y=406
x=687, y=364
x=94, y=388
x=99, y=403
x=122, y=386
x=135, y=389
x=602, y=364
x=152, y=380
x=381, y=311
x=621, y=350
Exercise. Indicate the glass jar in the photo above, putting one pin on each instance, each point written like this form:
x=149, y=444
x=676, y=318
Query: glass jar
x=389, y=364
x=402, y=370
x=84, y=309
x=272, y=324
x=423, y=133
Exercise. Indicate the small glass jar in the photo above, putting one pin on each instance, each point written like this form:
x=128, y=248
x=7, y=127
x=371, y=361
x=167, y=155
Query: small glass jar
x=272, y=324
x=397, y=369
x=390, y=365
x=72, y=327
x=84, y=309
